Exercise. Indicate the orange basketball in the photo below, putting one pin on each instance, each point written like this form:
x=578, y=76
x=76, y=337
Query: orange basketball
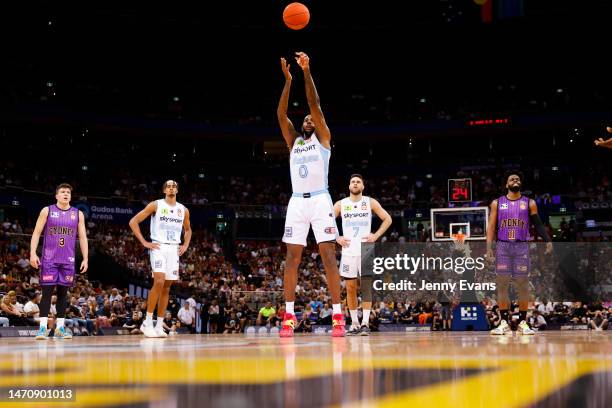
x=296, y=16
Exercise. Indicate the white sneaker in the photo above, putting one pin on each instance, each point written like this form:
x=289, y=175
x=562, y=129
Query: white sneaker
x=148, y=330
x=159, y=329
x=523, y=328
x=598, y=329
x=502, y=329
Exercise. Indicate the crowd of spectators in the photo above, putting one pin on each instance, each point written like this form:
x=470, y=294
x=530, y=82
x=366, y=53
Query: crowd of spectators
x=392, y=185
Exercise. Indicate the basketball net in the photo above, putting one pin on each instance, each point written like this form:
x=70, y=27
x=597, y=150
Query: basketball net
x=459, y=241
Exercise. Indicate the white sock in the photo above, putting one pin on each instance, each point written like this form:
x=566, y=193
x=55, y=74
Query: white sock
x=60, y=322
x=149, y=319
x=336, y=308
x=43, y=322
x=289, y=307
x=366, y=317
x=159, y=322
x=354, y=318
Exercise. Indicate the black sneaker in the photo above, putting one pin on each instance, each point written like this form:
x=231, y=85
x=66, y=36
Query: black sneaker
x=354, y=331
x=364, y=331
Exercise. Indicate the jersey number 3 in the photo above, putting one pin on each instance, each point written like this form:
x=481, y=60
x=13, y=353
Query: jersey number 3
x=62, y=242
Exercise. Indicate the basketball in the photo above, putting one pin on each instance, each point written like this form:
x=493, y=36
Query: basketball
x=296, y=16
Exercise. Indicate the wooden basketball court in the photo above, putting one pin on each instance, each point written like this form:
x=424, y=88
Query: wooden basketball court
x=468, y=369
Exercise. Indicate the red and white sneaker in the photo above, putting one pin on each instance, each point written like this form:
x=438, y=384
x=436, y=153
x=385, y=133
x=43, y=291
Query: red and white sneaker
x=338, y=325
x=289, y=323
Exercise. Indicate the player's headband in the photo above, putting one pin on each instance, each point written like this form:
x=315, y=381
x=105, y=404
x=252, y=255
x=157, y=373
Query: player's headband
x=170, y=183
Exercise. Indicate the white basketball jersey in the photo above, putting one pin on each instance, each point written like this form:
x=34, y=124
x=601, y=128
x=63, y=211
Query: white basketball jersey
x=309, y=165
x=167, y=223
x=356, y=223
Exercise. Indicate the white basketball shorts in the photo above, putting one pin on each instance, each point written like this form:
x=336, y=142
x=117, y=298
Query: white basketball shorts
x=317, y=211
x=350, y=266
x=166, y=260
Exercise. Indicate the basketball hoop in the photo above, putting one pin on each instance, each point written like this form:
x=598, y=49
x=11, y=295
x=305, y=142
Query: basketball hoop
x=459, y=241
x=459, y=237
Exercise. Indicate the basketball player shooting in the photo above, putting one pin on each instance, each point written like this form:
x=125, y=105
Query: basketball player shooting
x=509, y=220
x=310, y=203
x=356, y=211
x=168, y=219
x=60, y=223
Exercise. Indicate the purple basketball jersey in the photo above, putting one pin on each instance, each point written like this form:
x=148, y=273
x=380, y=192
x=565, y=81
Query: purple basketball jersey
x=60, y=235
x=513, y=219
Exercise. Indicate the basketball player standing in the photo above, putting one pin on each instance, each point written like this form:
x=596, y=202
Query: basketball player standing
x=356, y=211
x=310, y=203
x=509, y=219
x=60, y=223
x=168, y=219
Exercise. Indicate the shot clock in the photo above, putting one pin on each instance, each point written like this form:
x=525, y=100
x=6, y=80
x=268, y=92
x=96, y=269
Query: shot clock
x=459, y=190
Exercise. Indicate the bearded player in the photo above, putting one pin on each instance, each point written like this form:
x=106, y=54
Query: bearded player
x=509, y=220
x=356, y=211
x=310, y=203
x=168, y=219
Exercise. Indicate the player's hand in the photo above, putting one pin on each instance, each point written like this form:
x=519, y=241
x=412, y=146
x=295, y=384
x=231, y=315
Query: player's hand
x=285, y=67
x=604, y=143
x=343, y=242
x=549, y=248
x=182, y=249
x=490, y=255
x=302, y=60
x=150, y=245
x=84, y=266
x=34, y=261
x=369, y=238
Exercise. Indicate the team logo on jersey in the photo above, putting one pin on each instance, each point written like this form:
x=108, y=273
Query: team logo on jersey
x=288, y=232
x=70, y=259
x=175, y=273
x=54, y=214
x=330, y=230
x=300, y=141
x=523, y=206
x=164, y=211
x=179, y=212
x=347, y=207
x=69, y=278
x=364, y=206
x=345, y=268
x=504, y=206
x=48, y=278
x=72, y=216
x=158, y=264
